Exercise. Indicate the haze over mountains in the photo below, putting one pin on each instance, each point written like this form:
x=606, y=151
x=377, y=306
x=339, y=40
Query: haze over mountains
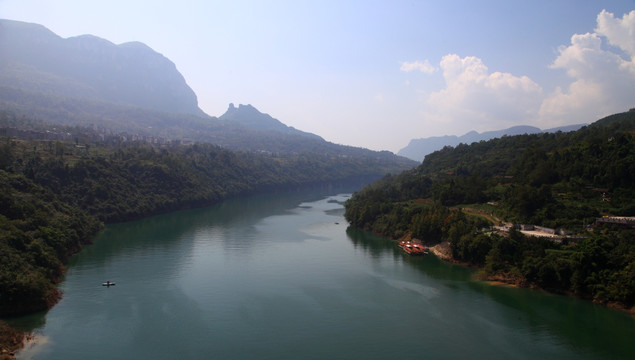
x=417, y=149
x=89, y=81
x=34, y=59
x=250, y=117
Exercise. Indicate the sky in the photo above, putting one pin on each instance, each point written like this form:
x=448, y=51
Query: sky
x=377, y=74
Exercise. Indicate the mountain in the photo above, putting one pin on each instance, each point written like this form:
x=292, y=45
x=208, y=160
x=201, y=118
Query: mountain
x=129, y=88
x=417, y=149
x=249, y=117
x=36, y=60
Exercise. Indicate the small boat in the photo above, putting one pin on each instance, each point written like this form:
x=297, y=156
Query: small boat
x=413, y=248
x=108, y=283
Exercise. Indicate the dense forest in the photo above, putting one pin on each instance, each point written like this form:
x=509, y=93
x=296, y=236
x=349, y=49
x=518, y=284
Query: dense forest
x=59, y=185
x=562, y=181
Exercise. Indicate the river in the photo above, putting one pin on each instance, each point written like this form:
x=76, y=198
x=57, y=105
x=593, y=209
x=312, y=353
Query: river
x=282, y=276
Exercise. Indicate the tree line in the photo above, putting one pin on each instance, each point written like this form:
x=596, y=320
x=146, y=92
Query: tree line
x=559, y=180
x=56, y=194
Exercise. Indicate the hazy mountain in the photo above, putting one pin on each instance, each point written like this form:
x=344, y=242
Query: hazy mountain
x=34, y=59
x=130, y=88
x=249, y=117
x=417, y=149
x=567, y=128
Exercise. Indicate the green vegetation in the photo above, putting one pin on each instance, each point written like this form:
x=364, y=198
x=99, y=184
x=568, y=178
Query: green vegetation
x=59, y=185
x=600, y=267
x=37, y=234
x=560, y=180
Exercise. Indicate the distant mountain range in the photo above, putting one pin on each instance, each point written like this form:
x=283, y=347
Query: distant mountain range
x=130, y=88
x=417, y=149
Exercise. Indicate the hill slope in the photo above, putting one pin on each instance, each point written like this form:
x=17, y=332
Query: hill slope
x=554, y=179
x=58, y=184
x=417, y=149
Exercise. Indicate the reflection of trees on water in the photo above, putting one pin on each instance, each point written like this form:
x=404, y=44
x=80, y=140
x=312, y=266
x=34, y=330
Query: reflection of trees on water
x=429, y=264
x=170, y=228
x=567, y=319
x=372, y=244
x=29, y=322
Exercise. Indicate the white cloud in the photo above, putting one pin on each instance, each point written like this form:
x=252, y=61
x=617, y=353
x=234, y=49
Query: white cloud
x=602, y=80
x=424, y=67
x=619, y=32
x=476, y=99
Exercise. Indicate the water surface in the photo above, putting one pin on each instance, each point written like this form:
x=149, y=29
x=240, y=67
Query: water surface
x=283, y=277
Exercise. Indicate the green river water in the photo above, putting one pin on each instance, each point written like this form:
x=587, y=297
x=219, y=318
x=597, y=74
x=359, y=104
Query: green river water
x=283, y=277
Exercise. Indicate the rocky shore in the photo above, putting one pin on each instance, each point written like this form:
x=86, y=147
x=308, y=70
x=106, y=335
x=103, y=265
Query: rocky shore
x=442, y=251
x=11, y=340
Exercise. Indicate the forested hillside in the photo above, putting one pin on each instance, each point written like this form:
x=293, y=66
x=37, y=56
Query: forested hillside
x=60, y=184
x=37, y=234
x=559, y=180
x=417, y=149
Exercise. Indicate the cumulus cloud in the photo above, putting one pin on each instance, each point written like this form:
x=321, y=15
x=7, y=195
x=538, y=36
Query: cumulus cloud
x=482, y=100
x=424, y=67
x=619, y=32
x=600, y=67
x=602, y=80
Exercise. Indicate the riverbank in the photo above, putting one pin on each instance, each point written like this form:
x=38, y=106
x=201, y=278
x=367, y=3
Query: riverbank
x=11, y=341
x=444, y=252
x=231, y=273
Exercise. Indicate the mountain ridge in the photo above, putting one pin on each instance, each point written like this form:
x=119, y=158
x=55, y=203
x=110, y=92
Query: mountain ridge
x=417, y=149
x=86, y=66
x=250, y=117
x=80, y=81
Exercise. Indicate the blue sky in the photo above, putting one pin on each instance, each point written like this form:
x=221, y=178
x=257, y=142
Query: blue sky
x=379, y=73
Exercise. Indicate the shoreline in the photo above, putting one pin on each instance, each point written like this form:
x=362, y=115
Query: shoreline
x=514, y=282
x=12, y=341
x=443, y=252
x=31, y=346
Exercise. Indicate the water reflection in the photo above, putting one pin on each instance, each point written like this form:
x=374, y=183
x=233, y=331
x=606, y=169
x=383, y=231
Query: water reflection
x=370, y=244
x=165, y=230
x=282, y=277
x=588, y=330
